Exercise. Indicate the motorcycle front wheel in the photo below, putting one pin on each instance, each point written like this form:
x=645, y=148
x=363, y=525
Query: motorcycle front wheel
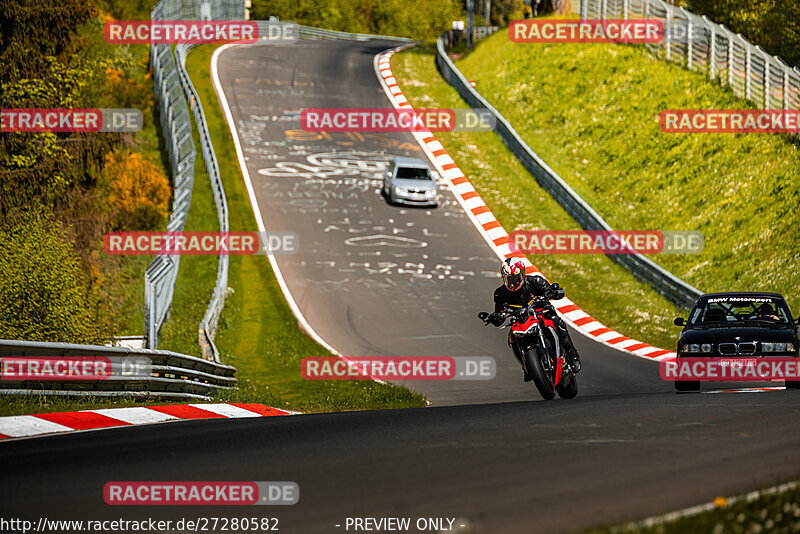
x=533, y=360
x=568, y=390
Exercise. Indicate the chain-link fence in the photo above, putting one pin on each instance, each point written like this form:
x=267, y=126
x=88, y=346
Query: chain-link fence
x=707, y=47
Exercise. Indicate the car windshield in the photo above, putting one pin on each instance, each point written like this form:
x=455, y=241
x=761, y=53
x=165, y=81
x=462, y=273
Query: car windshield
x=413, y=173
x=734, y=310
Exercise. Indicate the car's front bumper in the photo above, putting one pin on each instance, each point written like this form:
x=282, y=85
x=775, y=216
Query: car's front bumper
x=414, y=199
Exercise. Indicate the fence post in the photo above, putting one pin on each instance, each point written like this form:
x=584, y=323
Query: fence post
x=766, y=83
x=625, y=9
x=669, y=32
x=689, y=47
x=712, y=50
x=730, y=60
x=748, y=70
x=785, y=71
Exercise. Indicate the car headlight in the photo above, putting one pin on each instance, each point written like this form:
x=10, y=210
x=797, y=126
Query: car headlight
x=430, y=194
x=777, y=347
x=705, y=347
x=691, y=347
x=399, y=190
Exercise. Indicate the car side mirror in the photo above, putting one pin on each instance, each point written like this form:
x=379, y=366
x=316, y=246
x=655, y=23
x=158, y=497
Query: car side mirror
x=679, y=321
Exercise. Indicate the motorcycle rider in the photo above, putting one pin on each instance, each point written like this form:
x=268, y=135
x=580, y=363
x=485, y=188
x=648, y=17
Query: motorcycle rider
x=518, y=289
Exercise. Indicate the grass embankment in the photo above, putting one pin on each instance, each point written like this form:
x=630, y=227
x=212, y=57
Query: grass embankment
x=258, y=333
x=600, y=286
x=591, y=112
x=777, y=512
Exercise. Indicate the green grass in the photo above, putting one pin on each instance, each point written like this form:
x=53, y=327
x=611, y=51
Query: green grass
x=591, y=112
x=777, y=513
x=197, y=274
x=600, y=286
x=257, y=332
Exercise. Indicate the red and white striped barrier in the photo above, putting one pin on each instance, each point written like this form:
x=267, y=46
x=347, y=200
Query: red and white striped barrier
x=494, y=233
x=23, y=426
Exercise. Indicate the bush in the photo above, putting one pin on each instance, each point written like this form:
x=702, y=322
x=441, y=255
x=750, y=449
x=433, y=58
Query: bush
x=772, y=24
x=423, y=19
x=44, y=294
x=139, y=191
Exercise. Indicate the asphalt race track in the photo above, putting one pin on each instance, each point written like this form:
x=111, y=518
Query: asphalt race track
x=506, y=467
x=370, y=278
x=489, y=453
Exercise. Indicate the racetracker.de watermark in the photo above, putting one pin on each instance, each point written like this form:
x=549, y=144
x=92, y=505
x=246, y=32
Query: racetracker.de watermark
x=200, y=243
x=586, y=31
x=730, y=121
x=47, y=368
x=396, y=120
x=190, y=493
x=399, y=368
x=180, y=31
x=605, y=242
x=71, y=120
x=729, y=369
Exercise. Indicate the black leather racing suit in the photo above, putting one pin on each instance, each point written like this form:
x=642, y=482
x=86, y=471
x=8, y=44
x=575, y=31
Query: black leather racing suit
x=534, y=286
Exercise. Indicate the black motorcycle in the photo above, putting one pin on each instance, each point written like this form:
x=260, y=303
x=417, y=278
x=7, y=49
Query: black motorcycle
x=535, y=343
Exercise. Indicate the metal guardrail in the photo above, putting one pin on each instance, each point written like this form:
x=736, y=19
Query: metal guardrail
x=309, y=32
x=665, y=283
x=702, y=45
x=176, y=127
x=208, y=326
x=161, y=274
x=173, y=376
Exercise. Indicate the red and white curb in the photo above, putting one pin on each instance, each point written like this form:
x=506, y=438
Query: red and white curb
x=494, y=233
x=24, y=426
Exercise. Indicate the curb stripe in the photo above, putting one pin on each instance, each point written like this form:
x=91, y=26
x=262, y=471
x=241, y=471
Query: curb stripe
x=187, y=412
x=23, y=426
x=493, y=232
x=81, y=420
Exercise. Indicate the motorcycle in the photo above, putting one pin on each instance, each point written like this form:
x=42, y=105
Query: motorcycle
x=535, y=343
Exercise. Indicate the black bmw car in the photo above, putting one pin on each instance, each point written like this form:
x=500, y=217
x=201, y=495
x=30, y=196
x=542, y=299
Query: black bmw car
x=737, y=325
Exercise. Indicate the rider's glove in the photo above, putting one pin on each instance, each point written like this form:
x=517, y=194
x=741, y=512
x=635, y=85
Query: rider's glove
x=555, y=292
x=495, y=318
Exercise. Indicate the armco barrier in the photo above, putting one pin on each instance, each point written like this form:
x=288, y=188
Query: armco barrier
x=171, y=77
x=174, y=376
x=665, y=283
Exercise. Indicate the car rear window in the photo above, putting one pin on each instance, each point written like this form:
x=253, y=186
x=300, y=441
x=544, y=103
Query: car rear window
x=737, y=309
x=413, y=173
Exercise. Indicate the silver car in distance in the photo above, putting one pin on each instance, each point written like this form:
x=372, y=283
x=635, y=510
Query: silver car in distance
x=411, y=182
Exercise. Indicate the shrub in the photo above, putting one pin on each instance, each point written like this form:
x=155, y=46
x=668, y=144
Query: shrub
x=44, y=293
x=139, y=191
